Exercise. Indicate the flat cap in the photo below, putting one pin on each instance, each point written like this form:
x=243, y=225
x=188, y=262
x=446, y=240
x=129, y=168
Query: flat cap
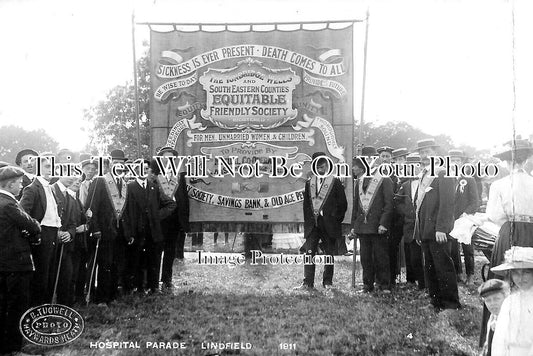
x=493, y=286
x=10, y=172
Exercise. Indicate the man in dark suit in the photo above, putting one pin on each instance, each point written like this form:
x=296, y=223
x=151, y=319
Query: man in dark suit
x=324, y=207
x=25, y=159
x=66, y=207
x=434, y=204
x=405, y=205
x=466, y=202
x=174, y=226
x=146, y=205
x=371, y=222
x=38, y=200
x=17, y=228
x=105, y=202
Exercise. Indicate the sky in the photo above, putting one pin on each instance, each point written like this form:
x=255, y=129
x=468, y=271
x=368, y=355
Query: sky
x=445, y=67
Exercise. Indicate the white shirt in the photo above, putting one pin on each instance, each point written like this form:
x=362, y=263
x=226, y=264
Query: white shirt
x=7, y=193
x=51, y=216
x=514, y=327
x=414, y=187
x=141, y=182
x=511, y=195
x=71, y=193
x=29, y=175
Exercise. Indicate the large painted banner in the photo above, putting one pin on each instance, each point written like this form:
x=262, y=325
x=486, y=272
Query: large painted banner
x=253, y=95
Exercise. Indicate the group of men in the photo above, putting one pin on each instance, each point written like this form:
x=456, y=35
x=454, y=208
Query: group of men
x=72, y=239
x=418, y=211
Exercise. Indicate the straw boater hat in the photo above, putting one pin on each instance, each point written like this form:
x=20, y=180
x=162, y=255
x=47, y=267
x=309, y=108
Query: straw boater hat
x=400, y=152
x=412, y=158
x=24, y=152
x=385, y=149
x=515, y=258
x=85, y=159
x=518, y=146
x=425, y=143
x=457, y=153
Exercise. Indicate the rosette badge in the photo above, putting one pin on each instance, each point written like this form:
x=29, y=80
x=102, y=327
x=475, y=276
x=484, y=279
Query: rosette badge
x=51, y=325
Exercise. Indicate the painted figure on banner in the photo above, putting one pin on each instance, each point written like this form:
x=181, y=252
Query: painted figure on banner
x=17, y=231
x=371, y=222
x=434, y=207
x=324, y=207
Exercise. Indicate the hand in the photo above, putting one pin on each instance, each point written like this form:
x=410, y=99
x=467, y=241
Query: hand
x=81, y=228
x=64, y=237
x=441, y=237
x=351, y=235
x=89, y=213
x=131, y=240
x=97, y=234
x=382, y=229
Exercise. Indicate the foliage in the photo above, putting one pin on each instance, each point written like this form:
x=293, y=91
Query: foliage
x=15, y=138
x=112, y=121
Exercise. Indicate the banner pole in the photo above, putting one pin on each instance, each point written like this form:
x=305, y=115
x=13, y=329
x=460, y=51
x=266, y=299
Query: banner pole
x=362, y=117
x=135, y=84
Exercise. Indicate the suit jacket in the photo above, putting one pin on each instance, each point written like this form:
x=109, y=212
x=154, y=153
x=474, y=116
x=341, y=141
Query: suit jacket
x=66, y=208
x=145, y=208
x=466, y=201
x=179, y=218
x=15, y=252
x=333, y=210
x=103, y=218
x=33, y=200
x=406, y=209
x=379, y=213
x=437, y=208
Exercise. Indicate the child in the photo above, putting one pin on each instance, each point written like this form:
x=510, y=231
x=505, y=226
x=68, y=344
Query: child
x=493, y=292
x=514, y=328
x=16, y=264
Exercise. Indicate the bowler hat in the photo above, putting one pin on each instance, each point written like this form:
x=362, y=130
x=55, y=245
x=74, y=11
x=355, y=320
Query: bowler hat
x=10, y=172
x=426, y=143
x=167, y=149
x=26, y=151
x=518, y=146
x=118, y=155
x=385, y=149
x=400, y=152
x=493, y=286
x=516, y=257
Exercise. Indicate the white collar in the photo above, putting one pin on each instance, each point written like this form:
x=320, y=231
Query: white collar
x=8, y=194
x=43, y=181
x=29, y=175
x=61, y=186
x=72, y=193
x=141, y=182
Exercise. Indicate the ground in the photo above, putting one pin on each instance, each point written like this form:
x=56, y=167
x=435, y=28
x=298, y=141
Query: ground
x=256, y=305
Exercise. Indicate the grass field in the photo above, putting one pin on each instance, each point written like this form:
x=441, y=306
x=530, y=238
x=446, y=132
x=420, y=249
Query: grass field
x=256, y=305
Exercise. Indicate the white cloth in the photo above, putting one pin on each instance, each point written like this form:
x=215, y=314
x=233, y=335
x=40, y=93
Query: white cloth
x=511, y=195
x=51, y=216
x=514, y=328
x=466, y=225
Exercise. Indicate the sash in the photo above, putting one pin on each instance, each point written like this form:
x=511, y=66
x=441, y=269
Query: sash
x=169, y=188
x=367, y=198
x=318, y=200
x=421, y=192
x=112, y=192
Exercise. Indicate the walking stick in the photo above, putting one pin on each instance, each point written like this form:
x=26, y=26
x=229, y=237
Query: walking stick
x=354, y=261
x=88, y=296
x=54, y=296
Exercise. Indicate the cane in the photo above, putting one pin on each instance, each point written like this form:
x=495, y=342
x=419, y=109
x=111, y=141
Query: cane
x=54, y=296
x=93, y=267
x=354, y=261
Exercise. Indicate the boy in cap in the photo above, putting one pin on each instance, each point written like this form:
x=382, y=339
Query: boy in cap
x=25, y=159
x=16, y=264
x=493, y=292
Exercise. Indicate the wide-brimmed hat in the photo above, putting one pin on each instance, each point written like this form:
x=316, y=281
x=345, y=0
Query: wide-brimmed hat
x=518, y=146
x=412, y=158
x=385, y=149
x=24, y=152
x=118, y=155
x=516, y=257
x=400, y=152
x=167, y=149
x=426, y=143
x=457, y=153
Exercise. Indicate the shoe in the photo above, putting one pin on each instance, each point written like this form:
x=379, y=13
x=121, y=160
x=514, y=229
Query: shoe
x=304, y=287
x=349, y=253
x=366, y=289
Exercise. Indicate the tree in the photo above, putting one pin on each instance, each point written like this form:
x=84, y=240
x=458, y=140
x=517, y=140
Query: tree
x=112, y=121
x=15, y=139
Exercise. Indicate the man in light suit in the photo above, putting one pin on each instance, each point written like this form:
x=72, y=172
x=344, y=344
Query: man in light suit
x=434, y=204
x=324, y=207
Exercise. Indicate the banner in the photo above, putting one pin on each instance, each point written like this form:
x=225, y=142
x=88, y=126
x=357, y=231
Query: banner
x=252, y=95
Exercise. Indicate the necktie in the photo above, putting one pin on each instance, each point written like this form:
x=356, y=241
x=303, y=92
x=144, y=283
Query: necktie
x=119, y=187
